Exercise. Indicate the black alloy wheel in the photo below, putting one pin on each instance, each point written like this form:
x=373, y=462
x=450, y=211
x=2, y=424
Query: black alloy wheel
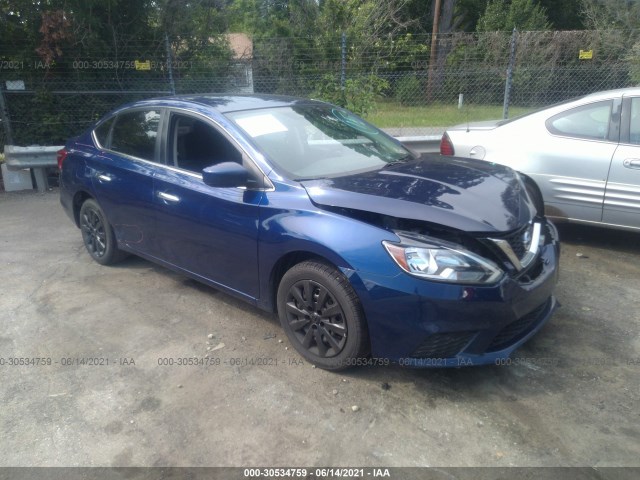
x=97, y=234
x=322, y=316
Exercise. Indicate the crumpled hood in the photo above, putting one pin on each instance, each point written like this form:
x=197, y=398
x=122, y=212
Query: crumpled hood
x=465, y=194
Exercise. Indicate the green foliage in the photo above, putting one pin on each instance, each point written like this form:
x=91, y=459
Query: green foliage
x=563, y=15
x=467, y=13
x=408, y=90
x=48, y=120
x=509, y=14
x=609, y=14
x=358, y=95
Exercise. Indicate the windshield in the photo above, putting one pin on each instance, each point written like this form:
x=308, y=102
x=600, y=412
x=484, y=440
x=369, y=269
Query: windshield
x=318, y=141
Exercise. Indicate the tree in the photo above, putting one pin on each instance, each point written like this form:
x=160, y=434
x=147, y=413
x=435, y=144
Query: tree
x=563, y=15
x=509, y=14
x=607, y=14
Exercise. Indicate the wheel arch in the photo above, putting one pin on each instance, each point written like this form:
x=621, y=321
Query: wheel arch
x=284, y=264
x=78, y=199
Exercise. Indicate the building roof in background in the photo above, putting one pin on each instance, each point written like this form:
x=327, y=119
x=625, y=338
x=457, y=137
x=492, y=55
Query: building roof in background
x=241, y=45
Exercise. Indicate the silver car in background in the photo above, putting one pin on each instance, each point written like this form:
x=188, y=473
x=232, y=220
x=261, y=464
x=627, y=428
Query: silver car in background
x=584, y=155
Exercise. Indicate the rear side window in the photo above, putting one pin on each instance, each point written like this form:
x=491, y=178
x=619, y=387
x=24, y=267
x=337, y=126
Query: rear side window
x=588, y=121
x=102, y=132
x=135, y=133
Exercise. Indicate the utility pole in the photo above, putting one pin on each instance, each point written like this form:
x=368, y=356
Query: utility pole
x=434, y=48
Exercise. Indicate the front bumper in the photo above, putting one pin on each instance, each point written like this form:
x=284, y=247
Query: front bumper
x=427, y=324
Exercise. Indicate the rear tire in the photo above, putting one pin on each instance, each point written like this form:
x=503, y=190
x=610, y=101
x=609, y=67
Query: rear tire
x=322, y=316
x=97, y=234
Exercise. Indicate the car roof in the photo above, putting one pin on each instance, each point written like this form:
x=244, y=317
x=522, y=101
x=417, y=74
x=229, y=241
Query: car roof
x=611, y=93
x=228, y=103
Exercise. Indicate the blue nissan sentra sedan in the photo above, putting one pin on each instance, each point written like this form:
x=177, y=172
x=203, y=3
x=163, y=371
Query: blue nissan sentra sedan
x=367, y=252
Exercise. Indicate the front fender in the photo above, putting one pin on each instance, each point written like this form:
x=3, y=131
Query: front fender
x=349, y=244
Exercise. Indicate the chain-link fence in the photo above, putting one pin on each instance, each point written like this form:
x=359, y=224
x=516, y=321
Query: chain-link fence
x=399, y=83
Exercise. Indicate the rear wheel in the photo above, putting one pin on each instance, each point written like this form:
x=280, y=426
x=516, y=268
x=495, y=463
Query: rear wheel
x=98, y=235
x=322, y=316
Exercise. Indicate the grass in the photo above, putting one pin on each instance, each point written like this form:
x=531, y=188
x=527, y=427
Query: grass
x=392, y=114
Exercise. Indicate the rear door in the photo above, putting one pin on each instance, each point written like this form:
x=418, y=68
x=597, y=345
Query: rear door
x=622, y=197
x=122, y=175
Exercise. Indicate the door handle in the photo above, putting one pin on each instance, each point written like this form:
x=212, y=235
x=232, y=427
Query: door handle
x=168, y=197
x=103, y=177
x=632, y=163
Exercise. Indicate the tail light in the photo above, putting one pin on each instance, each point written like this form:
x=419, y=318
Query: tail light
x=62, y=154
x=446, y=147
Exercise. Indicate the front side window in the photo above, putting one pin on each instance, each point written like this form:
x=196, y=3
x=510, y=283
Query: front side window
x=195, y=144
x=318, y=141
x=135, y=133
x=588, y=121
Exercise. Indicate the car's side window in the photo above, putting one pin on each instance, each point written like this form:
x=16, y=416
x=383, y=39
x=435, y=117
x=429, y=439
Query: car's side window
x=195, y=145
x=135, y=133
x=102, y=132
x=634, y=127
x=589, y=121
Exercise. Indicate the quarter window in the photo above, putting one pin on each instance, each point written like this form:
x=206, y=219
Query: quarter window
x=102, y=132
x=589, y=121
x=135, y=133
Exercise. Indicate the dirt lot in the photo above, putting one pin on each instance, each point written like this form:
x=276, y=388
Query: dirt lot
x=569, y=398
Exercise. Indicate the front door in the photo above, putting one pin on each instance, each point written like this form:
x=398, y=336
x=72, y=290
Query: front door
x=209, y=232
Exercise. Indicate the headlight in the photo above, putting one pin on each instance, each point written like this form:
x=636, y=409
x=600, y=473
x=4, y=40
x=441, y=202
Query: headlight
x=441, y=261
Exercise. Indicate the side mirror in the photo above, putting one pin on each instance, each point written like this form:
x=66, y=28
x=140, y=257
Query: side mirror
x=225, y=175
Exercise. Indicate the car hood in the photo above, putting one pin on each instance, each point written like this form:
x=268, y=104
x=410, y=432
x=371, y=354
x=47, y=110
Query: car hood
x=465, y=194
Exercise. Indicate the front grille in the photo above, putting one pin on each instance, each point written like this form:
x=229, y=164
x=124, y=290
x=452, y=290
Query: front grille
x=443, y=345
x=520, y=247
x=516, y=330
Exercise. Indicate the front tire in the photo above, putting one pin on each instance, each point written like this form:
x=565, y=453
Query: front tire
x=97, y=234
x=322, y=316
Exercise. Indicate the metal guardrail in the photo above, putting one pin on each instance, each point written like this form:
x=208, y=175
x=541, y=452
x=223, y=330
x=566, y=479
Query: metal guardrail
x=41, y=158
x=37, y=158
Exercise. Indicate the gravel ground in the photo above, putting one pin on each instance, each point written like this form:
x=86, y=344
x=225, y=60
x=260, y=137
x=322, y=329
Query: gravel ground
x=569, y=398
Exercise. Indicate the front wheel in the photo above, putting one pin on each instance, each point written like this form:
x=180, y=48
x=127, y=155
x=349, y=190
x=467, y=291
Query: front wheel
x=322, y=316
x=97, y=234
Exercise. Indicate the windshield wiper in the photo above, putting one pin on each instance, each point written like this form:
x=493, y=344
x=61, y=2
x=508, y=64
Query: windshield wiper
x=404, y=159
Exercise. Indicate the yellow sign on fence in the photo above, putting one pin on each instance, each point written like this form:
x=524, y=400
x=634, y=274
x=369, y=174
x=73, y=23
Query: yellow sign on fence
x=585, y=55
x=146, y=65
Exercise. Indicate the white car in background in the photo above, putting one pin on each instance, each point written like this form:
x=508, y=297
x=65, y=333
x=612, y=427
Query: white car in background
x=584, y=155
